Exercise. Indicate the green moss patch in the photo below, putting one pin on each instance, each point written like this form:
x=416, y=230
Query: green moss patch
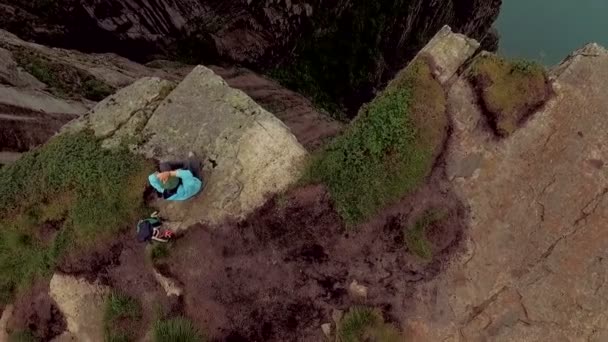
x=64, y=80
x=365, y=324
x=509, y=91
x=63, y=198
x=389, y=149
x=121, y=315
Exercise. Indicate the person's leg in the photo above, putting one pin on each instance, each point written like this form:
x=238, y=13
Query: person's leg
x=194, y=165
x=172, y=165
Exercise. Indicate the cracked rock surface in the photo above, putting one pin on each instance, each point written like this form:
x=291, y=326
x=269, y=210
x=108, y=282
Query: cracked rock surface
x=535, y=267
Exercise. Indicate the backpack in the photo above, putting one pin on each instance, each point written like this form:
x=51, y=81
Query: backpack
x=145, y=228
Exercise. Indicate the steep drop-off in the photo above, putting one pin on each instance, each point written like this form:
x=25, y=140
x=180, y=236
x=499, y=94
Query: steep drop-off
x=361, y=43
x=43, y=88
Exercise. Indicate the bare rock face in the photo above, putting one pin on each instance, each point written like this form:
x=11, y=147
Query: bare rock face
x=248, y=153
x=82, y=303
x=367, y=40
x=534, y=265
x=311, y=127
x=124, y=115
x=447, y=52
x=240, y=31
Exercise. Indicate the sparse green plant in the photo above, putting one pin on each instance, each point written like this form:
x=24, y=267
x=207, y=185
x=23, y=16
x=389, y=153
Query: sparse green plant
x=415, y=236
x=388, y=150
x=159, y=252
x=120, y=308
x=177, y=329
x=526, y=67
x=365, y=324
x=119, y=305
x=92, y=192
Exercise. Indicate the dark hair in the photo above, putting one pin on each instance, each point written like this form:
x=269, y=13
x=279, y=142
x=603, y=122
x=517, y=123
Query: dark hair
x=170, y=192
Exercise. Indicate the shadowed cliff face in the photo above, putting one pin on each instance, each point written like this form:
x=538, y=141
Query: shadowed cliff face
x=347, y=47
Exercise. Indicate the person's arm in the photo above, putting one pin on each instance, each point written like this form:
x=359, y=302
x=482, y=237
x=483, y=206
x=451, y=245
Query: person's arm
x=164, y=176
x=155, y=182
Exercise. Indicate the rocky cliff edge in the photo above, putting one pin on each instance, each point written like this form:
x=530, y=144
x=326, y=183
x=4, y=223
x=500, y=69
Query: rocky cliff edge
x=534, y=265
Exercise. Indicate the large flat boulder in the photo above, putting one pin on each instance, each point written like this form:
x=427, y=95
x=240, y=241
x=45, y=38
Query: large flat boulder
x=122, y=116
x=248, y=152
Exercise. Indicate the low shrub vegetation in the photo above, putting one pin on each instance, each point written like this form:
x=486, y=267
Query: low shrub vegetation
x=390, y=147
x=177, y=329
x=121, y=314
x=415, y=236
x=365, y=324
x=62, y=198
x=509, y=90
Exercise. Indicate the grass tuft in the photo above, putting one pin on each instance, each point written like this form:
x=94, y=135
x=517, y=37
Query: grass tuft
x=121, y=312
x=89, y=193
x=415, y=236
x=177, y=329
x=389, y=149
x=159, y=252
x=365, y=324
x=510, y=91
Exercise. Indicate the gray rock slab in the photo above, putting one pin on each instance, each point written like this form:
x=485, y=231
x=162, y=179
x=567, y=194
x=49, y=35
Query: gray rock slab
x=248, y=152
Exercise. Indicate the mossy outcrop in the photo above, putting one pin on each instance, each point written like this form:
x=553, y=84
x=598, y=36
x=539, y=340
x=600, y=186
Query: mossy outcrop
x=509, y=91
x=392, y=145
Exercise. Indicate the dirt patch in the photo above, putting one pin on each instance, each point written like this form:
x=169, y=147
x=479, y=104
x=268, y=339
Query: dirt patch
x=36, y=312
x=277, y=275
x=133, y=276
x=94, y=262
x=124, y=265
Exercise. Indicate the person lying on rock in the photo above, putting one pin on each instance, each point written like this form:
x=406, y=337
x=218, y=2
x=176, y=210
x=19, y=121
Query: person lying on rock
x=178, y=181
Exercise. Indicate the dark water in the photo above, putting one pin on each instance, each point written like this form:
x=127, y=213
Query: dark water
x=548, y=30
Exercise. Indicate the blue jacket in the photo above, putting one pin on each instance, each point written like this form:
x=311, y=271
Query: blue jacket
x=189, y=186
